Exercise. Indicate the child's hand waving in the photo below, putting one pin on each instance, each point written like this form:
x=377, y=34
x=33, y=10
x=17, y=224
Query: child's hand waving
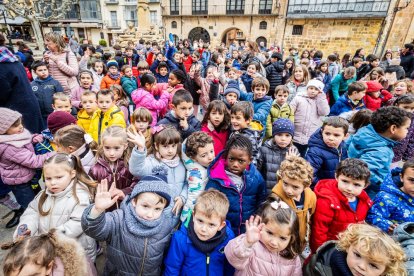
x=137, y=138
x=103, y=198
x=253, y=229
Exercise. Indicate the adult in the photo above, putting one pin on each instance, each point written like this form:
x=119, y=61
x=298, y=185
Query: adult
x=63, y=64
x=252, y=54
x=74, y=44
x=339, y=84
x=407, y=59
x=360, y=53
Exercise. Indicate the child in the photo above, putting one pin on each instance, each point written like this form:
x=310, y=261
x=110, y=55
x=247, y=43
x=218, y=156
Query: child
x=48, y=254
x=333, y=67
x=280, y=109
x=327, y=148
x=249, y=75
x=165, y=157
x=274, y=72
x=141, y=121
x=401, y=88
x=112, y=77
x=295, y=177
x=197, y=154
x=161, y=68
x=361, y=250
x=18, y=160
x=375, y=96
x=394, y=203
x=121, y=100
x=358, y=120
x=234, y=74
x=143, y=68
x=181, y=116
x=67, y=194
x=144, y=97
x=61, y=102
x=297, y=82
x=98, y=71
x=274, y=151
x=231, y=93
x=321, y=73
x=405, y=149
x=216, y=123
x=373, y=143
x=129, y=58
x=128, y=81
x=138, y=233
x=404, y=235
x=309, y=110
x=112, y=162
x=44, y=86
x=89, y=106
x=271, y=244
x=107, y=115
x=73, y=139
x=350, y=101
x=234, y=174
x=340, y=201
x=199, y=246
x=85, y=78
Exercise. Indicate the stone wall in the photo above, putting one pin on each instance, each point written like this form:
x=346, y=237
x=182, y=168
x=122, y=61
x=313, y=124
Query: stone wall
x=402, y=31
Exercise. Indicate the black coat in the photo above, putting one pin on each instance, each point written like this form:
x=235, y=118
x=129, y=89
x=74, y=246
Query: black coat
x=407, y=62
x=274, y=74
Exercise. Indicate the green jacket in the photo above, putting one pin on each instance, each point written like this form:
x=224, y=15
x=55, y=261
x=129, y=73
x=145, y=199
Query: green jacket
x=277, y=112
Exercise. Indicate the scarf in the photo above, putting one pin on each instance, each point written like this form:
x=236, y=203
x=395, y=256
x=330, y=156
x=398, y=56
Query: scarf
x=17, y=140
x=209, y=245
x=6, y=55
x=170, y=163
x=114, y=76
x=138, y=226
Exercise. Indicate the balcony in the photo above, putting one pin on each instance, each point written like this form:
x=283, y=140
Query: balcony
x=112, y=2
x=154, y=1
x=130, y=3
x=112, y=24
x=218, y=10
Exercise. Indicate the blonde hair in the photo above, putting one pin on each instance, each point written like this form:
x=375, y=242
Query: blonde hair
x=58, y=39
x=375, y=245
x=141, y=114
x=305, y=73
x=114, y=132
x=297, y=168
x=72, y=135
x=60, y=96
x=409, y=83
x=260, y=82
x=212, y=202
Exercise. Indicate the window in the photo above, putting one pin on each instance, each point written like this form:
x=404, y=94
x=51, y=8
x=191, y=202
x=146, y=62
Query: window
x=265, y=7
x=153, y=17
x=263, y=25
x=235, y=7
x=114, y=19
x=174, y=7
x=174, y=25
x=297, y=30
x=90, y=9
x=200, y=7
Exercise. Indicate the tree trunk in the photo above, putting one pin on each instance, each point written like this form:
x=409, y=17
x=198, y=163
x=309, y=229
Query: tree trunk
x=37, y=32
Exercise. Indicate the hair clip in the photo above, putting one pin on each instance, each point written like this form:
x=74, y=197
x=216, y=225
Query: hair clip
x=279, y=204
x=70, y=158
x=157, y=129
x=88, y=138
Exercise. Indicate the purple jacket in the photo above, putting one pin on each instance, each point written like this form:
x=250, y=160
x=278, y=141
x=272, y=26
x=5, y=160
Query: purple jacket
x=405, y=149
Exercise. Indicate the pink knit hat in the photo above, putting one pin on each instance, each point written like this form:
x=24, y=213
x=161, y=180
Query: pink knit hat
x=7, y=118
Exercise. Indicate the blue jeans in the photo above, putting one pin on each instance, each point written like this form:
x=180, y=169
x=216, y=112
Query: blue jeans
x=24, y=193
x=4, y=189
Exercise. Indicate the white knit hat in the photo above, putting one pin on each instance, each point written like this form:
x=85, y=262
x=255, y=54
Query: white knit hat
x=316, y=83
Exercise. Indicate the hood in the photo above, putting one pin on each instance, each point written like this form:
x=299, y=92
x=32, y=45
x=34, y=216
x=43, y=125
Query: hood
x=404, y=234
x=123, y=78
x=316, y=140
x=368, y=137
x=272, y=145
x=264, y=99
x=40, y=81
x=392, y=184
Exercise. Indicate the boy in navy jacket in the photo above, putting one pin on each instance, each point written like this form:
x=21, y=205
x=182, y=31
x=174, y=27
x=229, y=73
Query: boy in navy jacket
x=352, y=100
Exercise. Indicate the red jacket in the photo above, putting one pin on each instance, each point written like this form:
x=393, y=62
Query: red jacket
x=374, y=103
x=219, y=138
x=333, y=213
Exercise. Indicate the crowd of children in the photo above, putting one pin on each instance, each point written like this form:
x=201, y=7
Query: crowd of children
x=179, y=165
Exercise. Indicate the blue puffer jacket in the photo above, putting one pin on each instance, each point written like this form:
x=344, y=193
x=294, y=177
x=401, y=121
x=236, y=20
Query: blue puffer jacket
x=344, y=104
x=242, y=204
x=247, y=81
x=261, y=107
x=376, y=151
x=184, y=258
x=44, y=90
x=171, y=119
x=391, y=205
x=322, y=158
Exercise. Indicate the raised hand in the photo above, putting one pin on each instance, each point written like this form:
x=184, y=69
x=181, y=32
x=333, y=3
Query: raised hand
x=184, y=123
x=137, y=138
x=253, y=228
x=178, y=204
x=292, y=152
x=103, y=198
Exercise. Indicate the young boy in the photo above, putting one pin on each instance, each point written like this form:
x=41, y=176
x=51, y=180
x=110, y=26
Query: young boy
x=197, y=154
x=231, y=93
x=279, y=109
x=376, y=95
x=113, y=76
x=44, y=87
x=373, y=143
x=327, y=148
x=181, y=116
x=340, y=202
x=352, y=100
x=333, y=67
x=198, y=246
x=89, y=104
x=161, y=67
x=274, y=71
x=241, y=115
x=107, y=114
x=129, y=58
x=61, y=102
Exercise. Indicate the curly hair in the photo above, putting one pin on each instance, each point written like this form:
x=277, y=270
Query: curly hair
x=195, y=141
x=375, y=245
x=385, y=117
x=409, y=83
x=297, y=168
x=353, y=168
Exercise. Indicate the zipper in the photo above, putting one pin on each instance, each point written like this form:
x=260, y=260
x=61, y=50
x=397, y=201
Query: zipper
x=143, y=257
x=207, y=264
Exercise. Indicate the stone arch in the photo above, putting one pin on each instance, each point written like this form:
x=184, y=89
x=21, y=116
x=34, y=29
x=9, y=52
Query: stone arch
x=261, y=39
x=233, y=34
x=198, y=32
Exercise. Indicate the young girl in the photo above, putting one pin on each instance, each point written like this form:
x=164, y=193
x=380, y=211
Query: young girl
x=361, y=250
x=288, y=70
x=144, y=97
x=74, y=140
x=121, y=100
x=48, y=254
x=357, y=120
x=166, y=150
x=298, y=81
x=141, y=121
x=216, y=123
x=234, y=174
x=275, y=150
x=18, y=161
x=112, y=77
x=85, y=78
x=128, y=81
x=112, y=161
x=271, y=244
x=68, y=192
x=405, y=148
x=322, y=74
x=394, y=203
x=376, y=95
x=248, y=76
x=401, y=88
x=309, y=110
x=98, y=71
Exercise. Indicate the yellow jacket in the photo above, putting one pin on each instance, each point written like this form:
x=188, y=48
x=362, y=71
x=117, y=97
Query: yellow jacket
x=303, y=214
x=84, y=120
x=100, y=121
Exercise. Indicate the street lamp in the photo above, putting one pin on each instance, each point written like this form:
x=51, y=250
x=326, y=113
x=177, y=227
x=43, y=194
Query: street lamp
x=3, y=13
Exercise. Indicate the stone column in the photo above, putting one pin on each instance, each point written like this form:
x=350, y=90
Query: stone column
x=143, y=16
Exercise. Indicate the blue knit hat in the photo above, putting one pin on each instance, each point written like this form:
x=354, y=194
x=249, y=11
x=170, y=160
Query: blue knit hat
x=283, y=125
x=232, y=87
x=112, y=63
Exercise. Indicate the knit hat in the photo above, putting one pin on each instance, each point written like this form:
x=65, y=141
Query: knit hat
x=316, y=83
x=232, y=87
x=283, y=125
x=59, y=119
x=112, y=63
x=373, y=86
x=7, y=118
x=155, y=183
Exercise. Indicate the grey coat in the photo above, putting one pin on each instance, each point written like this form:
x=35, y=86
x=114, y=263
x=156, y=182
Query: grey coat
x=404, y=234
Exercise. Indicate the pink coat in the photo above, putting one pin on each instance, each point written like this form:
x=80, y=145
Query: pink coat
x=65, y=72
x=257, y=260
x=143, y=98
x=219, y=138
